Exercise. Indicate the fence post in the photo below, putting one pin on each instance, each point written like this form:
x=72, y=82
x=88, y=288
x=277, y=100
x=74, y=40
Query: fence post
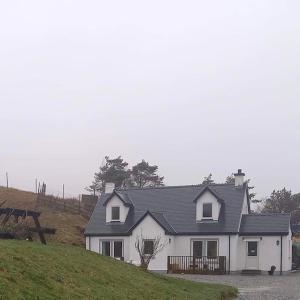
x=168, y=265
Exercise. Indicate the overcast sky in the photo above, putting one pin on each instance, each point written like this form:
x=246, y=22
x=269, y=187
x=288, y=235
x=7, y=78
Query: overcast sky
x=192, y=86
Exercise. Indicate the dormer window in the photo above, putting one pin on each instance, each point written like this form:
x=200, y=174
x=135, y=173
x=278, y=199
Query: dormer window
x=115, y=213
x=207, y=210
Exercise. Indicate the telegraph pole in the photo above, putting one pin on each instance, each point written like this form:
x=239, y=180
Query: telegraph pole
x=6, y=179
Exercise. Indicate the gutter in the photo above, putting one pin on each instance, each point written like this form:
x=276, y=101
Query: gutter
x=229, y=254
x=281, y=255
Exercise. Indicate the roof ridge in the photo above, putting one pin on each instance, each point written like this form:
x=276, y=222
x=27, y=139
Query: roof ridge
x=174, y=186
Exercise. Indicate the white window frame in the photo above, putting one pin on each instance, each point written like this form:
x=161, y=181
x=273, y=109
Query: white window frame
x=148, y=240
x=115, y=220
x=207, y=218
x=111, y=254
x=204, y=246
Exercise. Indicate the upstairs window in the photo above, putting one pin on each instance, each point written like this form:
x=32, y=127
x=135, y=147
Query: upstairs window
x=207, y=210
x=115, y=213
x=148, y=247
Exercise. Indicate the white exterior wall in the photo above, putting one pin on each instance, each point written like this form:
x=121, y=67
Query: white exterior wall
x=150, y=229
x=268, y=252
x=208, y=197
x=115, y=201
x=93, y=244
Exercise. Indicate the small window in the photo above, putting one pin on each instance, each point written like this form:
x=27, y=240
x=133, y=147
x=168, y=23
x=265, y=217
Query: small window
x=148, y=247
x=118, y=249
x=212, y=248
x=106, y=248
x=252, y=248
x=207, y=210
x=197, y=248
x=115, y=213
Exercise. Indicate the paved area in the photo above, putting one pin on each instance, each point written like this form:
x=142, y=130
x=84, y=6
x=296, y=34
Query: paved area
x=262, y=287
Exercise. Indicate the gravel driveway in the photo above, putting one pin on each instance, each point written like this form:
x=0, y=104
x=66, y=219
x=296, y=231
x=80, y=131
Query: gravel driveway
x=262, y=287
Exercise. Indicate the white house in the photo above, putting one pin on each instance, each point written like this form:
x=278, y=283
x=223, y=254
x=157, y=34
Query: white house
x=206, y=228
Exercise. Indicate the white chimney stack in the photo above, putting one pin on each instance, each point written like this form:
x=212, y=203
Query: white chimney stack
x=239, y=178
x=109, y=187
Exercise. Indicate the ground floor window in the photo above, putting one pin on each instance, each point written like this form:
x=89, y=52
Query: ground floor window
x=148, y=247
x=112, y=248
x=207, y=248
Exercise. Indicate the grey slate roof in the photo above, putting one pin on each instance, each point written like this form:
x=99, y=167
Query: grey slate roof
x=174, y=210
x=265, y=224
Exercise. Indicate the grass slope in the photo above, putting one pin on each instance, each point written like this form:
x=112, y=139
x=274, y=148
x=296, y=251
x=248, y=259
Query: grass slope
x=33, y=271
x=69, y=227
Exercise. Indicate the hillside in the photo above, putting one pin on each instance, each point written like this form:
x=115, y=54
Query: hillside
x=69, y=226
x=29, y=270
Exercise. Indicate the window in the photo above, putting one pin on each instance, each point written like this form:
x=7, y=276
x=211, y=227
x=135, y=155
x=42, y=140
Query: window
x=115, y=213
x=197, y=248
x=118, y=249
x=148, y=247
x=106, y=248
x=207, y=210
x=207, y=248
x=212, y=248
x=112, y=248
x=252, y=248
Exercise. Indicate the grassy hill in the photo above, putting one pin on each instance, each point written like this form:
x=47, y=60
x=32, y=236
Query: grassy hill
x=69, y=226
x=29, y=270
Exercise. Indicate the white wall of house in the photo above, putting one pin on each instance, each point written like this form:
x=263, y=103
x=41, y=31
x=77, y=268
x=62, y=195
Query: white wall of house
x=207, y=197
x=150, y=229
x=268, y=252
x=93, y=243
x=115, y=201
x=183, y=247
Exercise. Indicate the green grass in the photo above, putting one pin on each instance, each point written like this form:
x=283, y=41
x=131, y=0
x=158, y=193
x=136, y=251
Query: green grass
x=29, y=270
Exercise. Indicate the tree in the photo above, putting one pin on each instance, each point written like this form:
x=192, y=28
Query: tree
x=148, y=252
x=145, y=175
x=282, y=201
x=208, y=179
x=230, y=179
x=113, y=170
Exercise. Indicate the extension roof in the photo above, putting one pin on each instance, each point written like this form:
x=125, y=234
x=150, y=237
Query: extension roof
x=265, y=224
x=174, y=208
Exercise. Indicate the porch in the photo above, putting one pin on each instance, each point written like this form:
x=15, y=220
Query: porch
x=197, y=265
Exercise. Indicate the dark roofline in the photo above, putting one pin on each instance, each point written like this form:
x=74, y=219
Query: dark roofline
x=150, y=214
x=263, y=233
x=207, y=188
x=115, y=193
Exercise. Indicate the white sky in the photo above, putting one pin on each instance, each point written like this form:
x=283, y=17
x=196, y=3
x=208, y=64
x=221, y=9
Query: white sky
x=193, y=86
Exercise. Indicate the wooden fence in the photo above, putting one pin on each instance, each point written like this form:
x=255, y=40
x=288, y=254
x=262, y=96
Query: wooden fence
x=70, y=205
x=197, y=265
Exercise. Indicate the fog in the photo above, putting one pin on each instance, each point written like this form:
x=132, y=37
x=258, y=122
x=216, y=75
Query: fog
x=196, y=87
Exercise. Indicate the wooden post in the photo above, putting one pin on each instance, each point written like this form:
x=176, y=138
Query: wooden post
x=38, y=226
x=168, y=271
x=63, y=191
x=6, y=179
x=79, y=204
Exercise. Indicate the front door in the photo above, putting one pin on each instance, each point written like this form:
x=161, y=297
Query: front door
x=252, y=255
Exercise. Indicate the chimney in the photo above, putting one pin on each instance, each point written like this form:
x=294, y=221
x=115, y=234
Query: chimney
x=239, y=178
x=109, y=187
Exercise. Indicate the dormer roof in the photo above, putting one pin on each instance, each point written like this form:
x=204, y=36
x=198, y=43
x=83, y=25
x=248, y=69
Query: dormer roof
x=122, y=196
x=210, y=190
